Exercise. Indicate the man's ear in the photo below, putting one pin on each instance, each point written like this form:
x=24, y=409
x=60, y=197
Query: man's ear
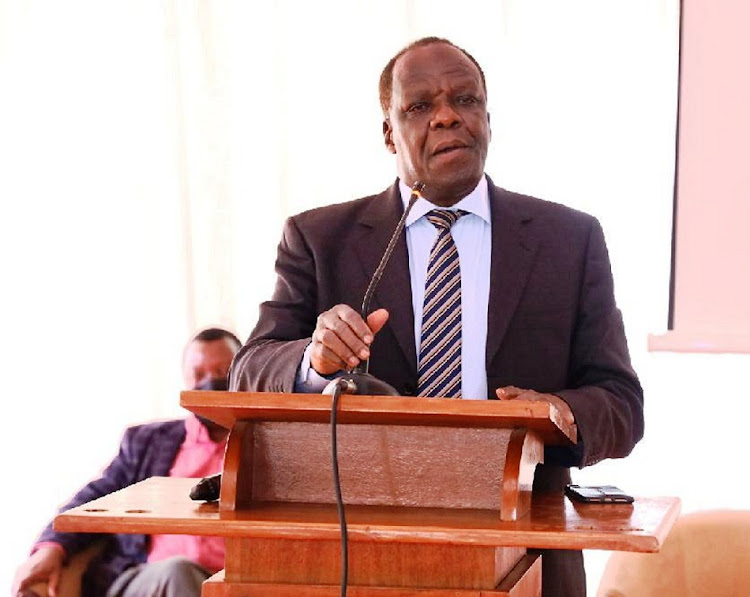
x=388, y=136
x=489, y=126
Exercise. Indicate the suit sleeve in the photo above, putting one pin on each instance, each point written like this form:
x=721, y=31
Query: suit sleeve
x=120, y=473
x=269, y=360
x=604, y=392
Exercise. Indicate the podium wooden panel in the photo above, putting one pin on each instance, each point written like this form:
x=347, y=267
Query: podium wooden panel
x=438, y=497
x=417, y=452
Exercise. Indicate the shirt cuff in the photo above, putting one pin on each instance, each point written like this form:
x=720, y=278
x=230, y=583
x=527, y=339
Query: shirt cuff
x=309, y=381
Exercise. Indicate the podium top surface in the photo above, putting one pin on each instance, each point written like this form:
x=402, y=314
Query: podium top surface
x=162, y=505
x=225, y=408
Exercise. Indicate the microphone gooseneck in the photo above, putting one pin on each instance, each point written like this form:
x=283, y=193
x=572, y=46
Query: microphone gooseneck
x=416, y=193
x=358, y=380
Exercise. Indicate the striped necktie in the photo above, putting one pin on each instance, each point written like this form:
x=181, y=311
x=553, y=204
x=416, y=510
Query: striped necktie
x=440, y=348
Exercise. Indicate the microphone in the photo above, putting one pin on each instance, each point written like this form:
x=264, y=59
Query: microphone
x=207, y=489
x=358, y=380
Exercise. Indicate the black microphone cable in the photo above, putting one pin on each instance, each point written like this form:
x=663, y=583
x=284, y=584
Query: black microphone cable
x=337, y=391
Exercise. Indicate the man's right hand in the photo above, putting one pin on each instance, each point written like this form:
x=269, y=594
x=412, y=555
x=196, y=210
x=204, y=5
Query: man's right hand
x=342, y=338
x=44, y=565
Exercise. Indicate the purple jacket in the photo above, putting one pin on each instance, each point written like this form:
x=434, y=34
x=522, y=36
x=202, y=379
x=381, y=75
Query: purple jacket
x=145, y=451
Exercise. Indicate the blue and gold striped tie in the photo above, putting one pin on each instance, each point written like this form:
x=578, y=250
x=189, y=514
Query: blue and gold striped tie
x=440, y=348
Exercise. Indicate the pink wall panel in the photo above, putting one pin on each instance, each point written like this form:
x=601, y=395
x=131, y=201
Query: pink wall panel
x=712, y=258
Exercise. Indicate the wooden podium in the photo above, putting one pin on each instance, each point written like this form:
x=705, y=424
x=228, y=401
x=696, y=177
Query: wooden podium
x=438, y=496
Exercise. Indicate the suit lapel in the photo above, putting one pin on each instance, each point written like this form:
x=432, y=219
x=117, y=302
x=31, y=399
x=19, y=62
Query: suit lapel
x=513, y=251
x=374, y=229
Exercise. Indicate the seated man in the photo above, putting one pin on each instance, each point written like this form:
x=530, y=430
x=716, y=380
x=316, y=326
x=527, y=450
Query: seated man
x=139, y=565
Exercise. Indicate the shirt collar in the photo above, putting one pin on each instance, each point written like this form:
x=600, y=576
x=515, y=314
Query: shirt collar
x=477, y=202
x=195, y=432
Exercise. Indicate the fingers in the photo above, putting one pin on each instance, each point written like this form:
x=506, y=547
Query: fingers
x=342, y=338
x=22, y=585
x=509, y=392
x=23, y=579
x=44, y=565
x=376, y=320
x=514, y=393
x=52, y=584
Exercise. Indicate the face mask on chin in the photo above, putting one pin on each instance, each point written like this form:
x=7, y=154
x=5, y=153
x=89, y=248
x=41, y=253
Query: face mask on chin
x=215, y=384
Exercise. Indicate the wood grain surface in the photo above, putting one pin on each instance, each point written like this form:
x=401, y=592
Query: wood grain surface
x=162, y=505
x=227, y=407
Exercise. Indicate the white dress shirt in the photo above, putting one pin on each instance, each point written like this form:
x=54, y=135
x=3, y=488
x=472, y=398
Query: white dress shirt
x=473, y=238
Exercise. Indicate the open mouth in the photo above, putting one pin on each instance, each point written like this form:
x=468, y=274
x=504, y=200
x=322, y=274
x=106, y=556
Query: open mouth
x=446, y=149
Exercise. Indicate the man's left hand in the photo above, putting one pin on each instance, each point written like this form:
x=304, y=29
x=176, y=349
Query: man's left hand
x=514, y=393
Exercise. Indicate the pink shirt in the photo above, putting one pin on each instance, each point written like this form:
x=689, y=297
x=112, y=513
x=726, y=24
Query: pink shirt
x=198, y=456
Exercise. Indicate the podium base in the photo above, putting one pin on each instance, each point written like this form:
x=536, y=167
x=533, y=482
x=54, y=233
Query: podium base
x=525, y=580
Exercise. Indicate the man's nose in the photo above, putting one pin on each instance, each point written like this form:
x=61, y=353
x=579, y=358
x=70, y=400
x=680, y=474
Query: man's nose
x=445, y=116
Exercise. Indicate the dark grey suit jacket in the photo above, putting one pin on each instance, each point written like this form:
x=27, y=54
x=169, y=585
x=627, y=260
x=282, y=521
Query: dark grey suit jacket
x=553, y=325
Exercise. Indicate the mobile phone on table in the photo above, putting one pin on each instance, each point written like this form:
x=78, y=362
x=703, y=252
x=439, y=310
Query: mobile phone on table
x=601, y=494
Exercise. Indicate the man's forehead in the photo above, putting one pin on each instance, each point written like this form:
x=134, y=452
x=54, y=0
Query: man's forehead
x=420, y=84
x=197, y=349
x=422, y=66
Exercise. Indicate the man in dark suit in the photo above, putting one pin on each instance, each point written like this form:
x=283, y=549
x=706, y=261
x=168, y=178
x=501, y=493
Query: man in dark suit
x=139, y=565
x=538, y=316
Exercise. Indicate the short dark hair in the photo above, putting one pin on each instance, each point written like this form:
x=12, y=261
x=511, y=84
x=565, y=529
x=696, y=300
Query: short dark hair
x=213, y=334
x=386, y=77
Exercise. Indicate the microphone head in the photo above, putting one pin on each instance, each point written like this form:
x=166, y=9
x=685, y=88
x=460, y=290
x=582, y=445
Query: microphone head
x=361, y=384
x=207, y=489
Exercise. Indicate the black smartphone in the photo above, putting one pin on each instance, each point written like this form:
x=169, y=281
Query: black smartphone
x=602, y=494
